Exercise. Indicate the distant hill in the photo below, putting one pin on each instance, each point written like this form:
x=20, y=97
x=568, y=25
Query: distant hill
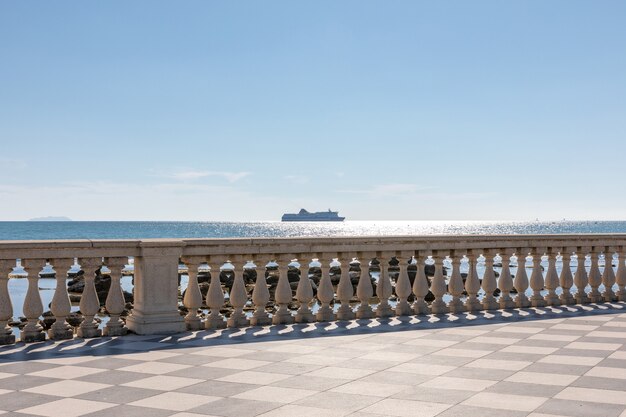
x=51, y=219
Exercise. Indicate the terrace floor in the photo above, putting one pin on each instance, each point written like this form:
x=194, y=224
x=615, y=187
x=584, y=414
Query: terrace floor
x=549, y=362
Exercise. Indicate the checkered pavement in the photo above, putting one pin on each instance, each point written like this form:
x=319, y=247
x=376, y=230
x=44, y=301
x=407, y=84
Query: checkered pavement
x=536, y=363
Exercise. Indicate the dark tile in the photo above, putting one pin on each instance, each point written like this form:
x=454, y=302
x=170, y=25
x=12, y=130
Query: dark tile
x=235, y=407
x=520, y=388
x=600, y=383
x=218, y=388
x=579, y=408
x=17, y=400
x=113, y=377
x=131, y=411
x=119, y=395
x=22, y=382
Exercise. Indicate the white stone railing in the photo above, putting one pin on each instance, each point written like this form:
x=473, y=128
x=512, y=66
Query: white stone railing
x=156, y=287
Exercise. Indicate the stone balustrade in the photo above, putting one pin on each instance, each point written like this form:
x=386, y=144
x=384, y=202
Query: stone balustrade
x=335, y=279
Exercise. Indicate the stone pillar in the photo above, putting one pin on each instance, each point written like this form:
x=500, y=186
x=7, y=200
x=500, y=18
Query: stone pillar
x=455, y=286
x=304, y=291
x=260, y=295
x=283, y=295
x=489, y=283
x=33, y=307
x=155, y=309
x=115, y=303
x=536, y=280
x=608, y=276
x=238, y=297
x=580, y=278
x=6, y=307
x=364, y=289
x=89, y=302
x=403, y=286
x=438, y=287
x=325, y=291
x=595, y=278
x=521, y=280
x=566, y=280
x=620, y=278
x=345, y=291
x=384, y=289
x=193, y=296
x=505, y=282
x=215, y=297
x=472, y=284
x=552, y=279
x=420, y=286
x=61, y=306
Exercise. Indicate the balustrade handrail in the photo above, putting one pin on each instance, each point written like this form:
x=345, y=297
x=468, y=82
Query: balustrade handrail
x=156, y=289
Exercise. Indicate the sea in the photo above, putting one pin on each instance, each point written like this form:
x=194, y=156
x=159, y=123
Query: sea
x=42, y=230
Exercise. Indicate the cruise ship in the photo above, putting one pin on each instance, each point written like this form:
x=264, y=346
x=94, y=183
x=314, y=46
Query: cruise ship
x=318, y=216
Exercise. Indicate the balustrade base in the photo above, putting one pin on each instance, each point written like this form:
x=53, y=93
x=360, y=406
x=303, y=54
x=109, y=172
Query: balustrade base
x=213, y=323
x=32, y=337
x=364, y=312
x=192, y=324
x=325, y=313
x=345, y=313
x=260, y=320
x=567, y=299
x=237, y=320
x=552, y=300
x=521, y=301
x=621, y=296
x=403, y=308
x=609, y=296
x=60, y=334
x=473, y=304
x=165, y=323
x=384, y=310
x=282, y=318
x=7, y=339
x=305, y=316
x=114, y=331
x=88, y=332
x=506, y=303
x=420, y=307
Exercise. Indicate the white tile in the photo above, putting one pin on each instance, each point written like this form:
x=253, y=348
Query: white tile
x=69, y=360
x=621, y=324
x=463, y=353
x=406, y=408
x=609, y=335
x=67, y=407
x=163, y=382
x=6, y=375
x=316, y=360
x=592, y=395
x=66, y=372
x=154, y=368
x=571, y=360
x=465, y=384
x=175, y=401
x=369, y=388
x=224, y=352
x=431, y=343
x=237, y=363
x=519, y=329
x=146, y=356
x=291, y=410
x=340, y=373
x=618, y=355
x=605, y=372
x=276, y=394
x=505, y=365
x=505, y=401
x=554, y=337
x=575, y=327
x=534, y=350
x=494, y=340
x=67, y=388
x=422, y=369
x=252, y=377
x=542, y=378
x=593, y=346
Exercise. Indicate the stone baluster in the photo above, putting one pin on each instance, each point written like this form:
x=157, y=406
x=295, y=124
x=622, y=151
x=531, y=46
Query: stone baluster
x=595, y=278
x=260, y=295
x=115, y=303
x=608, y=276
x=193, y=296
x=420, y=286
x=552, y=279
x=521, y=280
x=489, y=284
x=345, y=291
x=215, y=297
x=620, y=277
x=505, y=282
x=580, y=278
x=6, y=307
x=472, y=284
x=536, y=280
x=325, y=291
x=304, y=291
x=364, y=289
x=61, y=306
x=566, y=280
x=438, y=287
x=403, y=286
x=384, y=289
x=33, y=307
x=238, y=297
x=455, y=285
x=89, y=302
x=283, y=295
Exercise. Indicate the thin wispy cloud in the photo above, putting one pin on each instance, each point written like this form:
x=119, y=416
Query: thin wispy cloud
x=195, y=175
x=297, y=179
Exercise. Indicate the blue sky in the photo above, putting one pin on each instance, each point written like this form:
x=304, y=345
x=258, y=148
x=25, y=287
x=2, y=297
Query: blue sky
x=402, y=110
